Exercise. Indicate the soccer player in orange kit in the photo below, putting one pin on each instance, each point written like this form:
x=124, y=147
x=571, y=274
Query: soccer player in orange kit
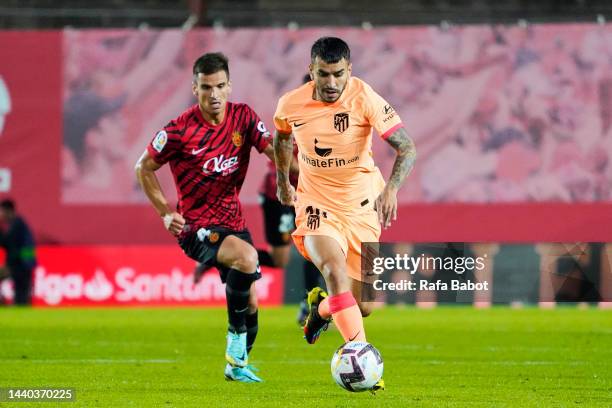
x=341, y=199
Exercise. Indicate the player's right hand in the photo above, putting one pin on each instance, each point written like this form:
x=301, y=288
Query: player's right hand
x=286, y=194
x=174, y=222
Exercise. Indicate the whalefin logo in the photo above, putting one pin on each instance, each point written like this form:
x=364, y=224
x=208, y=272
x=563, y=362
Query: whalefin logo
x=322, y=151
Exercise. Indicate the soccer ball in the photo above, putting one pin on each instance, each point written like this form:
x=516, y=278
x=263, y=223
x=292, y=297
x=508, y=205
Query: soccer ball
x=356, y=366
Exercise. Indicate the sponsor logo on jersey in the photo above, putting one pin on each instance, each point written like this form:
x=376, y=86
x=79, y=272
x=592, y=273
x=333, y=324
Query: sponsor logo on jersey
x=388, y=118
x=160, y=140
x=322, y=151
x=327, y=163
x=221, y=165
x=389, y=111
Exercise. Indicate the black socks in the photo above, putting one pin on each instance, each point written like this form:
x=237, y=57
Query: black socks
x=251, y=325
x=237, y=289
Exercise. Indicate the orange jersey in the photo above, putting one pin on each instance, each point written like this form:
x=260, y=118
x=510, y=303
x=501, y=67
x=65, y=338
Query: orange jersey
x=335, y=143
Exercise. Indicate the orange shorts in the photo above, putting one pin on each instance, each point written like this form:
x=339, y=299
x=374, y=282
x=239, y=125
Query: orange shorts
x=348, y=229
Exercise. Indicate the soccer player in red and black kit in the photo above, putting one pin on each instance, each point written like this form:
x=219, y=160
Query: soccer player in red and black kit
x=208, y=148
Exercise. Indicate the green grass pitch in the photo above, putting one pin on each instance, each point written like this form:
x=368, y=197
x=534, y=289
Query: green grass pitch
x=446, y=357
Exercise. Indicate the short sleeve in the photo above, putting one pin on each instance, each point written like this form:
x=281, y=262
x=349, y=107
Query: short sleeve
x=259, y=136
x=381, y=114
x=280, y=118
x=166, y=144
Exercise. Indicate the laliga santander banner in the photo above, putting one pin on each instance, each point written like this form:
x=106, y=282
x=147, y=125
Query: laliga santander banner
x=147, y=275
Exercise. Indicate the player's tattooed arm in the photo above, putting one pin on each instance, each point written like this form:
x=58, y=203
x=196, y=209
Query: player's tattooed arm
x=406, y=156
x=386, y=203
x=293, y=167
x=283, y=155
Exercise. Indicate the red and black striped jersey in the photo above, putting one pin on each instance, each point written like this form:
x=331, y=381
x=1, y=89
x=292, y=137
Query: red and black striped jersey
x=209, y=162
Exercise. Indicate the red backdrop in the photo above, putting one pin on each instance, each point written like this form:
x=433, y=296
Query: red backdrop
x=30, y=147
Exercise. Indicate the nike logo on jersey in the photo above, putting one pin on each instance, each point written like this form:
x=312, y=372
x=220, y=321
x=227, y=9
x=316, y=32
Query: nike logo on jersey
x=298, y=124
x=195, y=152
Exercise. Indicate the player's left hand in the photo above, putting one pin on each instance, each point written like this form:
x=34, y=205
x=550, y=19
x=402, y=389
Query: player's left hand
x=386, y=206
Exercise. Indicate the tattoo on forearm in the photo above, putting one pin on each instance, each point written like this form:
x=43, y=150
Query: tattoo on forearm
x=406, y=156
x=283, y=154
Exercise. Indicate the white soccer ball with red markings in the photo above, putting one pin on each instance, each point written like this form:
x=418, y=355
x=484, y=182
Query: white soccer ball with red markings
x=356, y=366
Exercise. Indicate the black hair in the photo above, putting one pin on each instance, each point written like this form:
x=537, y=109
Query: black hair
x=330, y=50
x=8, y=205
x=211, y=63
x=306, y=78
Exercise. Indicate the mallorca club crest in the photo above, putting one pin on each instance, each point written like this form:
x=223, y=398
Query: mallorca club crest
x=237, y=139
x=213, y=237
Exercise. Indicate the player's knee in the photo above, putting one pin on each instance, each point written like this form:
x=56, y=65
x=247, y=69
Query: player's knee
x=246, y=261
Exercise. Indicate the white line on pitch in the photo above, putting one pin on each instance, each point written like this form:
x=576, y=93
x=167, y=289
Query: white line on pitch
x=92, y=361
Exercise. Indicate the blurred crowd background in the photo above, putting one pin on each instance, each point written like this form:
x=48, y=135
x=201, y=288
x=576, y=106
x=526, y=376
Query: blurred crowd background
x=500, y=114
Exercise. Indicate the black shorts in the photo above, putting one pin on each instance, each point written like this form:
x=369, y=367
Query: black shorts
x=202, y=245
x=279, y=221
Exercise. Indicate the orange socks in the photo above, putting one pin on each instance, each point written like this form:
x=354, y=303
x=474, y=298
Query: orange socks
x=347, y=316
